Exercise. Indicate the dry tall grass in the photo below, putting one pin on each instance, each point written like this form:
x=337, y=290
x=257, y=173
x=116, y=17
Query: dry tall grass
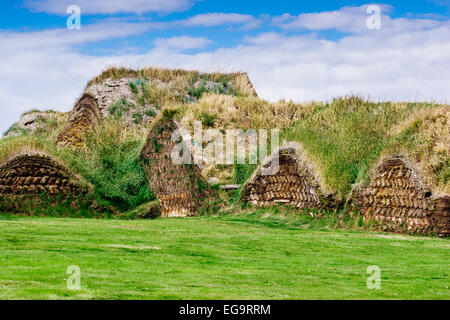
x=227, y=112
x=224, y=112
x=344, y=138
x=12, y=147
x=425, y=137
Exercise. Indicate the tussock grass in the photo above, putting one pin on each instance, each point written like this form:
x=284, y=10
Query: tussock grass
x=10, y=147
x=148, y=210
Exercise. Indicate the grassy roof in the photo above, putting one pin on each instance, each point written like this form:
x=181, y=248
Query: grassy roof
x=222, y=112
x=347, y=136
x=240, y=80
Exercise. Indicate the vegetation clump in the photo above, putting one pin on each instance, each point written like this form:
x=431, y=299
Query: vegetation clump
x=425, y=138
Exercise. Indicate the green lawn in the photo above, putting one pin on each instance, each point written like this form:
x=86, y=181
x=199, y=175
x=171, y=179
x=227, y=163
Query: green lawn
x=213, y=258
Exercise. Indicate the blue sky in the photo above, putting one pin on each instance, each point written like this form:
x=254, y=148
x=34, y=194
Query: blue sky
x=299, y=50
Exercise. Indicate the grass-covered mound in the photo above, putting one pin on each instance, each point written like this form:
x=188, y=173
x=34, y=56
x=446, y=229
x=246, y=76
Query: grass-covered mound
x=36, y=180
x=407, y=190
x=343, y=139
x=178, y=184
x=182, y=79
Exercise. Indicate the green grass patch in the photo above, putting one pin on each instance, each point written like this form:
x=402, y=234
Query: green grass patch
x=198, y=92
x=116, y=110
x=242, y=172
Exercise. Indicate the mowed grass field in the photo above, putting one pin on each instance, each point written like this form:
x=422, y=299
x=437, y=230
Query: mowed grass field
x=226, y=257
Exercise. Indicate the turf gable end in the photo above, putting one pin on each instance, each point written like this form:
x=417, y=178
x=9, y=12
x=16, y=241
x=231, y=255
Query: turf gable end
x=295, y=184
x=398, y=199
x=179, y=187
x=84, y=118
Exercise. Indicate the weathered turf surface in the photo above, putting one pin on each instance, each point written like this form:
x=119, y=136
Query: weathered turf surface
x=213, y=258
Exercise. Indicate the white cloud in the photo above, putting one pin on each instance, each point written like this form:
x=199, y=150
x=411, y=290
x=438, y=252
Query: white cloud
x=219, y=19
x=352, y=20
x=109, y=6
x=65, y=37
x=182, y=43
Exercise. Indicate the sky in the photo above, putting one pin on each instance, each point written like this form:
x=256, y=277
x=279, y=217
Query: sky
x=298, y=50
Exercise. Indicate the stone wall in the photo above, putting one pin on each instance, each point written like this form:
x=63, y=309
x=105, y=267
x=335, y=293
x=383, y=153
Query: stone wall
x=294, y=184
x=111, y=91
x=84, y=118
x=441, y=216
x=116, y=97
x=179, y=187
x=35, y=122
x=399, y=201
